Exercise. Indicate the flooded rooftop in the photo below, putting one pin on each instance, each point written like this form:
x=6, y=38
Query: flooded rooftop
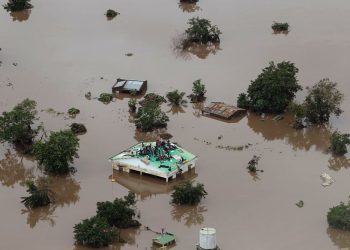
x=58, y=51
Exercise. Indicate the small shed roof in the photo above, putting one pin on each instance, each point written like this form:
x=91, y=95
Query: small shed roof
x=222, y=110
x=128, y=85
x=164, y=239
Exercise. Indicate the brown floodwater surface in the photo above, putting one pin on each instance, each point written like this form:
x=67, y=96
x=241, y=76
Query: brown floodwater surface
x=60, y=50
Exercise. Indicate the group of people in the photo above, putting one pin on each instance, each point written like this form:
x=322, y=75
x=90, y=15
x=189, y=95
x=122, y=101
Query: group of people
x=161, y=151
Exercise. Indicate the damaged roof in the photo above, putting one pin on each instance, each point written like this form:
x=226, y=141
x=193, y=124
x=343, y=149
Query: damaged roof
x=223, y=110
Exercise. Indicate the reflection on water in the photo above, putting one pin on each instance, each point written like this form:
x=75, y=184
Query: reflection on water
x=189, y=7
x=340, y=238
x=66, y=192
x=20, y=16
x=12, y=170
x=176, y=110
x=202, y=51
x=197, y=109
x=40, y=214
x=145, y=186
x=338, y=162
x=302, y=139
x=191, y=215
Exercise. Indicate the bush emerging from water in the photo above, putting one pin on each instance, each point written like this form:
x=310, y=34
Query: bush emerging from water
x=339, y=142
x=17, y=5
x=273, y=89
x=111, y=13
x=72, y=112
x=78, y=128
x=176, y=98
x=253, y=163
x=150, y=117
x=106, y=98
x=132, y=105
x=119, y=213
x=16, y=125
x=188, y=193
x=152, y=97
x=94, y=232
x=280, y=27
x=39, y=194
x=339, y=216
x=201, y=30
x=55, y=154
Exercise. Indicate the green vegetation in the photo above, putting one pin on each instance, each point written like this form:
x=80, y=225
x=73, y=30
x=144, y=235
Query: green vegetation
x=94, y=232
x=273, y=90
x=78, y=128
x=72, y=112
x=339, y=142
x=106, y=98
x=339, y=216
x=16, y=125
x=201, y=31
x=322, y=101
x=132, y=105
x=150, y=117
x=176, y=98
x=39, y=194
x=152, y=97
x=57, y=152
x=253, y=163
x=119, y=213
x=188, y=193
x=198, y=91
x=280, y=27
x=16, y=5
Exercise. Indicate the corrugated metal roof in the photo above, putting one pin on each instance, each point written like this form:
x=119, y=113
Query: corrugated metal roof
x=223, y=110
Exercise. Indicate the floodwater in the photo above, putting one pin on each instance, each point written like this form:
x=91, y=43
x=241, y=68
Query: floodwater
x=60, y=50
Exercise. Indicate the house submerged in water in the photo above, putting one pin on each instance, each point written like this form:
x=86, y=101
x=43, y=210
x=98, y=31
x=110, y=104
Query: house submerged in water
x=161, y=158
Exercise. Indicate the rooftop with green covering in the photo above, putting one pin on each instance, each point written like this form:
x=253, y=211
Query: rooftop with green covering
x=160, y=158
x=164, y=239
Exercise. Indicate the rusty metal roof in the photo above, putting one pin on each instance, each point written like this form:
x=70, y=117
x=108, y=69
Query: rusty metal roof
x=222, y=110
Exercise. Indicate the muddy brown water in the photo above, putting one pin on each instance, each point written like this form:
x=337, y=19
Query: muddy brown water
x=63, y=48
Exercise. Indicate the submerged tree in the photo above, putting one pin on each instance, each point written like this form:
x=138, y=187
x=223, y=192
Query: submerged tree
x=339, y=216
x=322, y=101
x=201, y=31
x=152, y=97
x=132, y=105
x=339, y=142
x=39, y=194
x=198, y=91
x=175, y=97
x=273, y=89
x=16, y=125
x=188, y=193
x=57, y=152
x=95, y=232
x=120, y=212
x=150, y=117
x=16, y=5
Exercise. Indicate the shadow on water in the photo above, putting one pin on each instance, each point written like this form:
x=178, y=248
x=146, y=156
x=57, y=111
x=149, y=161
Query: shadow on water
x=66, y=192
x=202, y=51
x=145, y=186
x=190, y=215
x=13, y=171
x=189, y=7
x=340, y=238
x=20, y=16
x=303, y=139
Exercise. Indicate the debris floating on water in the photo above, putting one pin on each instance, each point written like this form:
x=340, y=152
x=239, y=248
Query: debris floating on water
x=300, y=203
x=327, y=179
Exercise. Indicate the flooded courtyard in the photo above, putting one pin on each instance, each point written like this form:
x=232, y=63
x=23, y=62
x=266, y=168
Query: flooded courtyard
x=60, y=50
